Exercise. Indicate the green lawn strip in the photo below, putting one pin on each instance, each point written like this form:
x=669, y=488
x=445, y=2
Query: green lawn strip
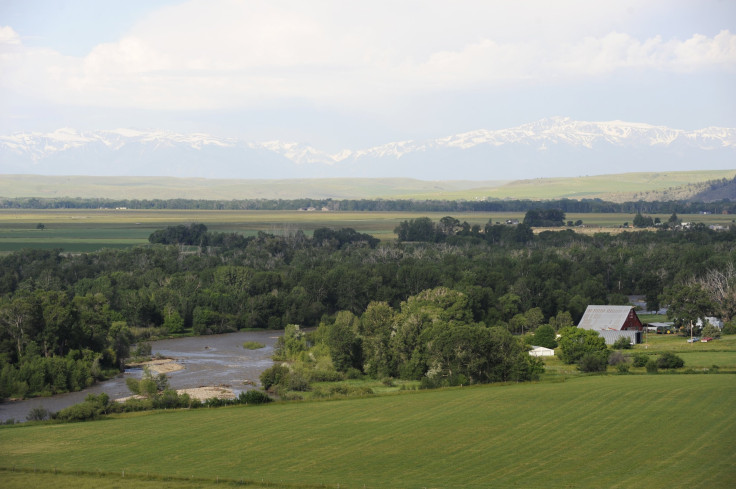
x=722, y=359
x=603, y=431
x=679, y=344
x=25, y=479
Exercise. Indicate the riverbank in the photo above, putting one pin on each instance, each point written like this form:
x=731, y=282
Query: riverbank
x=214, y=360
x=158, y=366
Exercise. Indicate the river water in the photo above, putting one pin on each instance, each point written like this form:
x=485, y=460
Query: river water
x=207, y=360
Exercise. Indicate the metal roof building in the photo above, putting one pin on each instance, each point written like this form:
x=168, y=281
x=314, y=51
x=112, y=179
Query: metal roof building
x=613, y=322
x=616, y=318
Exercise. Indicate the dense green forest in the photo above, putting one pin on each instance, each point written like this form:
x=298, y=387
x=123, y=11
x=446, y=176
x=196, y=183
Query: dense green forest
x=69, y=319
x=383, y=205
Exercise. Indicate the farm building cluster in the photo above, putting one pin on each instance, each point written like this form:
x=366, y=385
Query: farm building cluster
x=615, y=322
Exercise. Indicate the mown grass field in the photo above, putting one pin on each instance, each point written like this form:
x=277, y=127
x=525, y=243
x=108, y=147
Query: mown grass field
x=625, y=431
x=92, y=229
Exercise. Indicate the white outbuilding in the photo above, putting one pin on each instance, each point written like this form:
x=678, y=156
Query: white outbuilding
x=540, y=351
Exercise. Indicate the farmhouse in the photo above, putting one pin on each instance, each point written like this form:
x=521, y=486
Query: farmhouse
x=613, y=322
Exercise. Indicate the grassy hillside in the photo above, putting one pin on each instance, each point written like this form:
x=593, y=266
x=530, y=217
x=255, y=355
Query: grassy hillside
x=646, y=431
x=617, y=187
x=213, y=189
x=621, y=187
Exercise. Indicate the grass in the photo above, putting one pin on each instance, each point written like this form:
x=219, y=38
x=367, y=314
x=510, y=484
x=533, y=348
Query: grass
x=85, y=230
x=253, y=345
x=653, y=318
x=599, y=186
x=678, y=344
x=635, y=431
x=618, y=187
x=26, y=479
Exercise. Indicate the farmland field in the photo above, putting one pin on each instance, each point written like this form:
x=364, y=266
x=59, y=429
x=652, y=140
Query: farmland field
x=630, y=431
x=84, y=230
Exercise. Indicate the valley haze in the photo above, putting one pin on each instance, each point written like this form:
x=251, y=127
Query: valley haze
x=553, y=147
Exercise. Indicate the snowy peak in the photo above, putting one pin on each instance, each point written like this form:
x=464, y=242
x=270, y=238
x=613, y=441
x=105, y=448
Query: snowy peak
x=556, y=146
x=562, y=130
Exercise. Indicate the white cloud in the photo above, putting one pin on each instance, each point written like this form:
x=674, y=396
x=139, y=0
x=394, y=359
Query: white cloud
x=8, y=36
x=239, y=54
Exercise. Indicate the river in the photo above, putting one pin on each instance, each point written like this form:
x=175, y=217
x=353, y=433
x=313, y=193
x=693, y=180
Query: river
x=207, y=360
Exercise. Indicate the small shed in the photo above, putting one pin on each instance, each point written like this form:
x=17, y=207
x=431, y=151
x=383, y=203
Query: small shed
x=540, y=351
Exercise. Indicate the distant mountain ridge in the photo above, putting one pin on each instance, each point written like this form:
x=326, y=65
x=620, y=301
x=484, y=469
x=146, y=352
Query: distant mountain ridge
x=551, y=147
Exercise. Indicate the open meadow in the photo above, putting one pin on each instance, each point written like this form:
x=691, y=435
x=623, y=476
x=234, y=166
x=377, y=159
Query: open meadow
x=616, y=187
x=85, y=230
x=648, y=431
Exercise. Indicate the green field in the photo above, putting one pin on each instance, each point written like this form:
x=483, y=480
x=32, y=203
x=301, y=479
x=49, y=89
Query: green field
x=84, y=230
x=87, y=230
x=631, y=431
x=678, y=344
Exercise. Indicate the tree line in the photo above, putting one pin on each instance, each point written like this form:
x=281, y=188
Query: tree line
x=68, y=320
x=380, y=205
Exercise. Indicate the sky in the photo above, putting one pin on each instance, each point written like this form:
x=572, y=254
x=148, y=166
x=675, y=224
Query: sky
x=339, y=75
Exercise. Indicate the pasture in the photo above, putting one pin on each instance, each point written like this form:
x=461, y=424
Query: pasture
x=617, y=187
x=632, y=431
x=85, y=230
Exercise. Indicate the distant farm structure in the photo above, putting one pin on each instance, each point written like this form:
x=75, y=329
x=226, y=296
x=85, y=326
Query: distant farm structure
x=613, y=323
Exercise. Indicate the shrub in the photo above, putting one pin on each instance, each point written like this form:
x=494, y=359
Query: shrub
x=651, y=366
x=545, y=336
x=429, y=383
x=669, y=360
x=37, y=414
x=133, y=404
x=167, y=399
x=593, y=362
x=575, y=343
x=274, y=376
x=640, y=359
x=297, y=381
x=458, y=379
x=79, y=412
x=710, y=330
x=363, y=391
x=322, y=375
x=353, y=373
x=253, y=397
x=292, y=396
x=729, y=328
x=616, y=358
x=142, y=350
x=622, y=344
x=174, y=323
x=623, y=368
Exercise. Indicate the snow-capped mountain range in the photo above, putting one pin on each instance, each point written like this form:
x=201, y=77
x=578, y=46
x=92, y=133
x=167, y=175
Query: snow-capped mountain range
x=546, y=148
